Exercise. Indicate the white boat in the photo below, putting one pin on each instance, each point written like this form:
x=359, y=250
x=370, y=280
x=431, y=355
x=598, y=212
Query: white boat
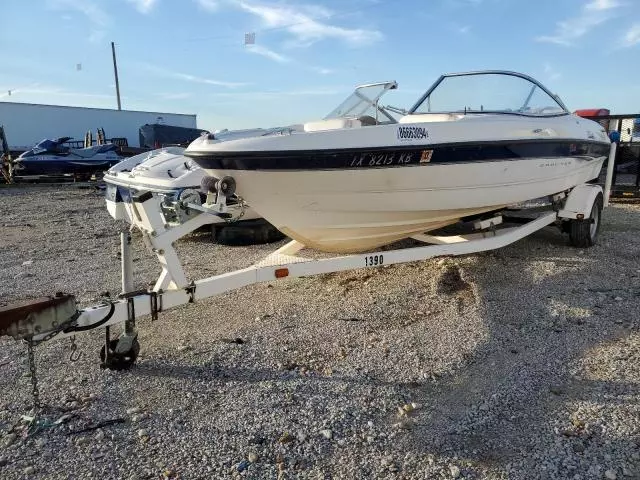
x=475, y=142
x=168, y=173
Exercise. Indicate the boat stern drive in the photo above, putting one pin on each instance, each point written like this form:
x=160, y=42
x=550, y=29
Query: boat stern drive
x=368, y=175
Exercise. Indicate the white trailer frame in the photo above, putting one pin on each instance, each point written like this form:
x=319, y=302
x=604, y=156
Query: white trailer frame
x=173, y=289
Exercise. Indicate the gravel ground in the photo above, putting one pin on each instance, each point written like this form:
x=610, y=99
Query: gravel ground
x=521, y=363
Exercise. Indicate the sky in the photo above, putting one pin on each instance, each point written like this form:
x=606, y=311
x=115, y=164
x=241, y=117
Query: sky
x=189, y=56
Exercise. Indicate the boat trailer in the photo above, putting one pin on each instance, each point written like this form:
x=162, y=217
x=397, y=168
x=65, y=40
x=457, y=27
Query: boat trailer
x=577, y=211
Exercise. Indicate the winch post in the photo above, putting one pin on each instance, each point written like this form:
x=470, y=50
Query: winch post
x=126, y=262
x=159, y=237
x=127, y=282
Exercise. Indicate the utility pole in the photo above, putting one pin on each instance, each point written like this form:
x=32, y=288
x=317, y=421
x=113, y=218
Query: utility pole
x=115, y=72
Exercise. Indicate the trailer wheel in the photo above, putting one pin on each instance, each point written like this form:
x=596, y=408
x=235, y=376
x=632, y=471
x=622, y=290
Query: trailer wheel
x=119, y=361
x=584, y=233
x=248, y=232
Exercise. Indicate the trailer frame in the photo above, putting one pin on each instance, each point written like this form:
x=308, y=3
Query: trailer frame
x=46, y=320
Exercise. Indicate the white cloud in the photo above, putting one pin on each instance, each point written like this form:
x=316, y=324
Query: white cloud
x=209, y=5
x=174, y=96
x=591, y=15
x=632, y=37
x=602, y=5
x=463, y=3
x=50, y=91
x=570, y=30
x=88, y=8
x=191, y=78
x=143, y=6
x=96, y=36
x=302, y=21
x=207, y=81
x=98, y=19
x=267, y=95
x=322, y=70
x=265, y=52
x=551, y=73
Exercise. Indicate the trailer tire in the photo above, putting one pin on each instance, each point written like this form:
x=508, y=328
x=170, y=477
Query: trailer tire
x=584, y=233
x=248, y=232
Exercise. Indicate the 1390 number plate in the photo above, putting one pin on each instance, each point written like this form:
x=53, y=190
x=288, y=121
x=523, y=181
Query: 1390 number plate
x=373, y=260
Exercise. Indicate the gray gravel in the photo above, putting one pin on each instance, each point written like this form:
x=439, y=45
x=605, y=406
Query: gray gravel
x=521, y=363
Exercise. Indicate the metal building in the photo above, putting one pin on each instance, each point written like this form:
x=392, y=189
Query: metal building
x=26, y=124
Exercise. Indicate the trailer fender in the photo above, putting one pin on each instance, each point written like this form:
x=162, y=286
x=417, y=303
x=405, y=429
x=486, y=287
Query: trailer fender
x=580, y=201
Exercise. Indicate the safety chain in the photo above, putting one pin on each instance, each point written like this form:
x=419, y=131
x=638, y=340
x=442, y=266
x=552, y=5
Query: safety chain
x=35, y=392
x=51, y=334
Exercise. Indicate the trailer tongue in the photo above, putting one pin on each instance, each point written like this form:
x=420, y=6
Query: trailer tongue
x=23, y=320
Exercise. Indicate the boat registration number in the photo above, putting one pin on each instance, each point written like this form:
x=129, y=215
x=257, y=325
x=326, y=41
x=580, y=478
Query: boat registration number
x=373, y=260
x=412, y=133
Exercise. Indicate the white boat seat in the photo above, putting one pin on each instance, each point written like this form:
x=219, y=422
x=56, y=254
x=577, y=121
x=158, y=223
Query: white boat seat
x=430, y=117
x=332, y=124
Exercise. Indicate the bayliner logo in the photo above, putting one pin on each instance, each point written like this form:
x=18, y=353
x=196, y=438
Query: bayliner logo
x=412, y=133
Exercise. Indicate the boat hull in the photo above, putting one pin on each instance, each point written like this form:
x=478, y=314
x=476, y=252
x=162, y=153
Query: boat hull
x=356, y=189
x=355, y=210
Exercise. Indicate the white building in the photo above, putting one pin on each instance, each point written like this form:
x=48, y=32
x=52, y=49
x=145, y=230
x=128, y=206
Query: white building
x=25, y=124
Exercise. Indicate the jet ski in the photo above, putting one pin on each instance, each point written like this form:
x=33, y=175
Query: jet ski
x=54, y=157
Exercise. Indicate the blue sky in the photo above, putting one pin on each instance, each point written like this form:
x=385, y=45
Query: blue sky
x=188, y=56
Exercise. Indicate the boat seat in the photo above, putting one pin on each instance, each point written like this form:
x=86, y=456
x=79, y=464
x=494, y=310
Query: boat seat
x=91, y=151
x=332, y=124
x=430, y=117
x=367, y=121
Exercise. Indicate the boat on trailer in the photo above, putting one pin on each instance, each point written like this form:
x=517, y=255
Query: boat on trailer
x=360, y=179
x=575, y=208
x=166, y=172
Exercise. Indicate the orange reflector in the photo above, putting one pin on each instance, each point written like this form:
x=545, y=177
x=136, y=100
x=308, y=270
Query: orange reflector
x=282, y=272
x=580, y=216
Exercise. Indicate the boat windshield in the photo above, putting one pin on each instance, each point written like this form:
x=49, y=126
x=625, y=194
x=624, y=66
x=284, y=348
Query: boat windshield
x=363, y=102
x=489, y=92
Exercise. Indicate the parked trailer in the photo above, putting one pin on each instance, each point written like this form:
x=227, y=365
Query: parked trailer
x=26, y=124
x=577, y=212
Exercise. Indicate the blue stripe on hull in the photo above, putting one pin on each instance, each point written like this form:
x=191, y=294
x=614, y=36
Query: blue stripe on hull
x=388, y=157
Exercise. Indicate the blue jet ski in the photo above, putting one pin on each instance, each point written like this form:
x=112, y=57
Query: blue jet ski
x=53, y=157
